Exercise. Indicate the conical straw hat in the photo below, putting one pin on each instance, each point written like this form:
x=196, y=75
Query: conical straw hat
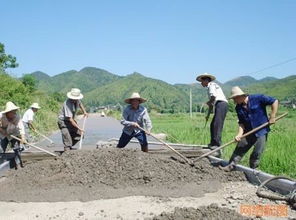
x=236, y=91
x=10, y=106
x=135, y=95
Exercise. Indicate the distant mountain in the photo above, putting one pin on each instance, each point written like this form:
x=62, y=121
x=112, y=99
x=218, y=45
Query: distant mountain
x=199, y=94
x=268, y=79
x=160, y=95
x=282, y=89
x=86, y=79
x=39, y=76
x=101, y=87
x=241, y=81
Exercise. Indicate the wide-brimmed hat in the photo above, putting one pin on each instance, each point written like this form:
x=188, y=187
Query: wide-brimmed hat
x=236, y=91
x=75, y=94
x=35, y=105
x=200, y=77
x=135, y=95
x=10, y=107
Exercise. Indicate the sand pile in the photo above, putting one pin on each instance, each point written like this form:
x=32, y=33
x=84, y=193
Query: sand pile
x=212, y=212
x=111, y=173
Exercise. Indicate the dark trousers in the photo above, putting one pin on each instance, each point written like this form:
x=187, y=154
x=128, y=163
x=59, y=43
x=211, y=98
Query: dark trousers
x=217, y=123
x=125, y=139
x=15, y=144
x=70, y=134
x=244, y=146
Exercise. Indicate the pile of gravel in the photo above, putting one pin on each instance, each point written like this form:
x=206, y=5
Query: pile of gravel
x=211, y=212
x=102, y=170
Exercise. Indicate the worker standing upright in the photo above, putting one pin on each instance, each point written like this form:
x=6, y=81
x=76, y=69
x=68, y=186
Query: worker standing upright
x=28, y=119
x=218, y=101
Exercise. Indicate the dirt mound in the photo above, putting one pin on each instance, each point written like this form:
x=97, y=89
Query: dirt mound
x=110, y=173
x=212, y=212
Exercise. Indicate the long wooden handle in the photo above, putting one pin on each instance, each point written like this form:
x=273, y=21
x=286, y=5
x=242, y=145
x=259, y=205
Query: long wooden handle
x=243, y=136
x=32, y=145
x=81, y=139
x=47, y=138
x=168, y=146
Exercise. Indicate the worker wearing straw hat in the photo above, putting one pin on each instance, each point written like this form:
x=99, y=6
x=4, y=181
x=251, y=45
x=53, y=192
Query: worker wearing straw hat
x=28, y=119
x=71, y=132
x=11, y=124
x=251, y=112
x=134, y=116
x=218, y=101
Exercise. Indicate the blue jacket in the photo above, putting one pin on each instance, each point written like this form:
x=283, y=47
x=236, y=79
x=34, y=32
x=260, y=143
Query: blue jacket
x=255, y=114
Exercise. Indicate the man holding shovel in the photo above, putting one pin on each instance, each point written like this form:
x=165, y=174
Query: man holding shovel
x=218, y=101
x=28, y=118
x=135, y=116
x=251, y=112
x=71, y=132
x=11, y=124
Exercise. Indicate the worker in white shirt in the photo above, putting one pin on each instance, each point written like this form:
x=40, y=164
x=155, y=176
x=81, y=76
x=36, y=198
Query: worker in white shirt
x=218, y=101
x=28, y=119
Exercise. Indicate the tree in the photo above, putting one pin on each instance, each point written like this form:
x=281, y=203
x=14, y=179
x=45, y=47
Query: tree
x=6, y=61
x=30, y=82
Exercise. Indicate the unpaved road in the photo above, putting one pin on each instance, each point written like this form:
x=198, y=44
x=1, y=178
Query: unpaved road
x=118, y=184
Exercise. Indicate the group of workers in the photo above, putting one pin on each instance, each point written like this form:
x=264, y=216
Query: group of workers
x=251, y=112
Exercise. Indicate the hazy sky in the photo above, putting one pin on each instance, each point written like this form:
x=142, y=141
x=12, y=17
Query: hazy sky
x=164, y=39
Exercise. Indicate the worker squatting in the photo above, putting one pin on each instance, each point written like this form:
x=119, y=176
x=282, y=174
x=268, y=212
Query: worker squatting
x=250, y=109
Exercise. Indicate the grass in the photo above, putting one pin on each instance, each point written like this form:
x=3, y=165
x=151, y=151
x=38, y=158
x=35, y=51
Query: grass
x=279, y=157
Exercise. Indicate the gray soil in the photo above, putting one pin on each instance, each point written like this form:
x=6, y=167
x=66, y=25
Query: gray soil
x=111, y=173
x=211, y=212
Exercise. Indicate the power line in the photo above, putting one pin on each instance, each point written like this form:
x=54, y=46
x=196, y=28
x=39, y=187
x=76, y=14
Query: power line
x=272, y=66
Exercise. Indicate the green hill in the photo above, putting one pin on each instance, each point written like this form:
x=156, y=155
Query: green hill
x=241, y=81
x=104, y=88
x=161, y=95
x=282, y=89
x=86, y=79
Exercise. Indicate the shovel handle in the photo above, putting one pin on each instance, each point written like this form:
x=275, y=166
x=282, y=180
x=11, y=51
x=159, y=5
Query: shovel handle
x=168, y=146
x=243, y=136
x=32, y=145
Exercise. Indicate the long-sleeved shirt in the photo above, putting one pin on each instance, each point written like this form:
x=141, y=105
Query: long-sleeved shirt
x=255, y=113
x=139, y=116
x=14, y=127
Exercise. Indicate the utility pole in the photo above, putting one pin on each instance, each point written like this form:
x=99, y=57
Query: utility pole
x=190, y=96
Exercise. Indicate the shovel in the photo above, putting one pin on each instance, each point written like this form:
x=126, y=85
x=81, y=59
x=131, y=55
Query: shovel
x=243, y=136
x=32, y=145
x=45, y=137
x=168, y=146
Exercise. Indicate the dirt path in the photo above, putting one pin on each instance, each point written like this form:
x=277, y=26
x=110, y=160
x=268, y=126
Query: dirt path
x=110, y=183
x=230, y=195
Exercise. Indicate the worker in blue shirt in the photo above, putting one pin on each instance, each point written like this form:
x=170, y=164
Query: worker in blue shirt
x=251, y=112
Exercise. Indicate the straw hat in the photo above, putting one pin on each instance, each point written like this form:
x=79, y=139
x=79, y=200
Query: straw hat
x=199, y=78
x=236, y=91
x=10, y=107
x=35, y=105
x=75, y=94
x=135, y=95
